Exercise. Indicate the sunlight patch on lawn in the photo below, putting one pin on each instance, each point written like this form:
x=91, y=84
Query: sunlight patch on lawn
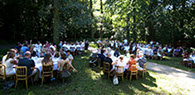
x=92, y=74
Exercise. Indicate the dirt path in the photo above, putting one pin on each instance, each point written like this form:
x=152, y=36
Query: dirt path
x=182, y=79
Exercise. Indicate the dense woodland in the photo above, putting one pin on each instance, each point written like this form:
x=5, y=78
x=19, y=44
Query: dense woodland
x=165, y=21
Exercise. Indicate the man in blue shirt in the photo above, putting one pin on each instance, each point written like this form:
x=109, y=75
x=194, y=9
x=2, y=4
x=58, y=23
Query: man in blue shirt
x=23, y=49
x=30, y=64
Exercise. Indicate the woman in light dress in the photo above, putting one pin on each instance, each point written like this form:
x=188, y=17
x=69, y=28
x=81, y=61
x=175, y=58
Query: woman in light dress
x=64, y=62
x=9, y=63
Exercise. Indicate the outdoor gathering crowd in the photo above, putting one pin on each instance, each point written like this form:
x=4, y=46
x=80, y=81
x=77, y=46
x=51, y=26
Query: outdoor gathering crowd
x=152, y=50
x=136, y=54
x=36, y=56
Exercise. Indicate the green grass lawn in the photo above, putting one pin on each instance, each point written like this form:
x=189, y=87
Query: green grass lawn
x=173, y=62
x=89, y=81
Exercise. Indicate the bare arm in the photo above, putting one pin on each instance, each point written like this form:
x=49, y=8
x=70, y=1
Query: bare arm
x=71, y=66
x=114, y=63
x=14, y=62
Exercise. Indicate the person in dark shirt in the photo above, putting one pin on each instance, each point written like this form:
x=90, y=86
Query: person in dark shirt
x=86, y=45
x=116, y=53
x=30, y=64
x=141, y=60
x=101, y=56
x=109, y=60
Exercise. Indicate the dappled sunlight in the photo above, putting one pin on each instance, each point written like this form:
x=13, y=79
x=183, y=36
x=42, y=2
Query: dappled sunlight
x=92, y=74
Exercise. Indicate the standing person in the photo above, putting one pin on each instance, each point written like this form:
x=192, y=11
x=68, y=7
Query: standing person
x=47, y=44
x=99, y=42
x=30, y=64
x=61, y=44
x=9, y=63
x=38, y=45
x=86, y=45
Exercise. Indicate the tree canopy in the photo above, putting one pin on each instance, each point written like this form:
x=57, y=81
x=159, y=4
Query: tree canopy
x=165, y=21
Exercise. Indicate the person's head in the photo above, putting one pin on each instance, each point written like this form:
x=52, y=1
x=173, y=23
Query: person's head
x=10, y=54
x=51, y=50
x=16, y=50
x=25, y=45
x=47, y=56
x=121, y=57
x=63, y=55
x=61, y=50
x=132, y=56
x=27, y=54
x=47, y=42
x=38, y=42
x=57, y=55
x=68, y=52
x=108, y=55
x=102, y=51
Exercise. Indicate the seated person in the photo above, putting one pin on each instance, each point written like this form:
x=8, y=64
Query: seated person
x=131, y=62
x=30, y=64
x=116, y=53
x=63, y=61
x=52, y=51
x=127, y=54
x=70, y=57
x=47, y=60
x=5, y=56
x=141, y=60
x=109, y=60
x=101, y=56
x=176, y=52
x=23, y=49
x=186, y=57
x=9, y=63
x=192, y=57
x=120, y=62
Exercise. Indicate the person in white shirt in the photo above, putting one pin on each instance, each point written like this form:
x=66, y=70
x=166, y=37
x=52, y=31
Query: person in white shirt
x=9, y=63
x=125, y=41
x=5, y=56
x=120, y=62
x=38, y=45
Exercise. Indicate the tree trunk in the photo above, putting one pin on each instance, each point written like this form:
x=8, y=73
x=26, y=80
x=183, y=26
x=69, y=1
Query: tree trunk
x=127, y=28
x=101, y=26
x=56, y=24
x=91, y=26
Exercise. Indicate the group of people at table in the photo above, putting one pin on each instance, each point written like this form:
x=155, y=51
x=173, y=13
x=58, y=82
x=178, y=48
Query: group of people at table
x=116, y=59
x=149, y=50
x=34, y=56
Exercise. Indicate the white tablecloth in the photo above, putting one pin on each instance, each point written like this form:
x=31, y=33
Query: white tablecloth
x=38, y=64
